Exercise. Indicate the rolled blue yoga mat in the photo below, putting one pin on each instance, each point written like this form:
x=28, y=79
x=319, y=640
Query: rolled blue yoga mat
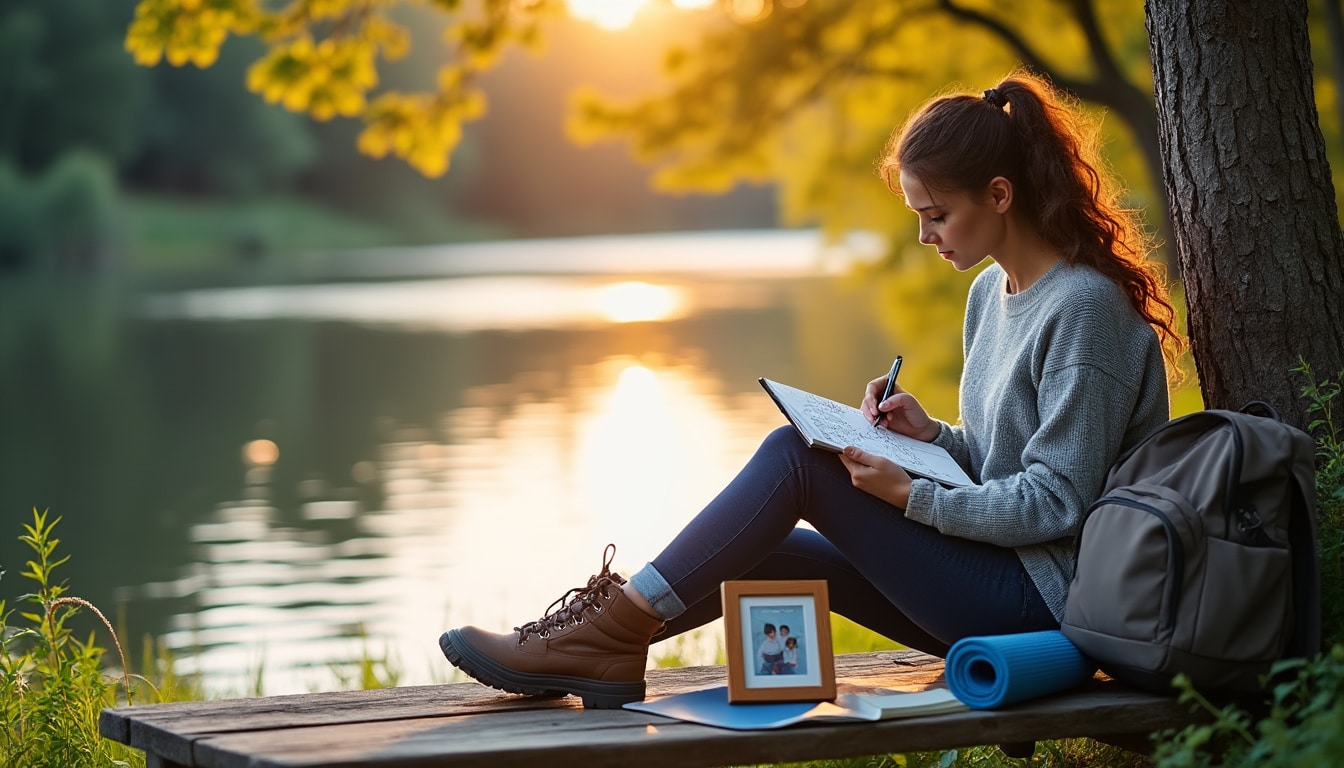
x=995, y=671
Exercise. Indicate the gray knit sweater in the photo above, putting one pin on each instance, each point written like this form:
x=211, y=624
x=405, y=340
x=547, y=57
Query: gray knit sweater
x=1058, y=380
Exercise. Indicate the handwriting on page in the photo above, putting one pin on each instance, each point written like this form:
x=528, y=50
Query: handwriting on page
x=834, y=423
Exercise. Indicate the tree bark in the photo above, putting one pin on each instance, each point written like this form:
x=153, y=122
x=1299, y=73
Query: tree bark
x=1253, y=208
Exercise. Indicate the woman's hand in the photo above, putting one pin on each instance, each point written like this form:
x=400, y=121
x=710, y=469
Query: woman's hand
x=900, y=413
x=875, y=475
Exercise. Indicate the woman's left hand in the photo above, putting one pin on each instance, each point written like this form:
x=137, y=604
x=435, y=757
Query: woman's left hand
x=875, y=475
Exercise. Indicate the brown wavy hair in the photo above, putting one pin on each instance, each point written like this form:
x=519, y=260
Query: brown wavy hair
x=1040, y=140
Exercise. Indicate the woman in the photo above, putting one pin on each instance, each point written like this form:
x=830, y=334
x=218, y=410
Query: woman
x=1063, y=342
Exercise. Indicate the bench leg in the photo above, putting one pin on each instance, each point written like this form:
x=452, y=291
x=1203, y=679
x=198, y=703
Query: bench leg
x=1019, y=749
x=154, y=761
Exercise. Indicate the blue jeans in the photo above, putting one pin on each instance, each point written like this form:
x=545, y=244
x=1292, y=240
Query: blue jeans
x=897, y=577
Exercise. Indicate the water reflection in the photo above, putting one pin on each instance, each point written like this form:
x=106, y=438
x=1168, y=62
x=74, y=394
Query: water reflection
x=485, y=519
x=277, y=480
x=460, y=305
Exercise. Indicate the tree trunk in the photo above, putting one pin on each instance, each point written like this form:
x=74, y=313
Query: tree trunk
x=1253, y=208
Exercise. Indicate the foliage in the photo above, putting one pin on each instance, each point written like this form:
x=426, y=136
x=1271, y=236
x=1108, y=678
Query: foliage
x=1304, y=727
x=790, y=69
x=52, y=686
x=1304, y=724
x=323, y=56
x=1323, y=398
x=809, y=94
x=65, y=217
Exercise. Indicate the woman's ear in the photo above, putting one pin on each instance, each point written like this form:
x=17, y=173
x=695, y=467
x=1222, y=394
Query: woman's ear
x=1001, y=194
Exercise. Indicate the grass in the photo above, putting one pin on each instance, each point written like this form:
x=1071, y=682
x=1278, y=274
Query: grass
x=177, y=241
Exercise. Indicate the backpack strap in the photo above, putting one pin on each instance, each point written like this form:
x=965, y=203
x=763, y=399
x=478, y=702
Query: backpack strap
x=1261, y=408
x=1306, y=638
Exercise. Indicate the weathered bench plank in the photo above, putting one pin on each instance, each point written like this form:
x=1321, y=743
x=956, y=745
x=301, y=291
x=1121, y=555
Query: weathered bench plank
x=468, y=724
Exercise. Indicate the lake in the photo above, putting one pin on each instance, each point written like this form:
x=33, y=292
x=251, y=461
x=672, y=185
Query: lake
x=277, y=481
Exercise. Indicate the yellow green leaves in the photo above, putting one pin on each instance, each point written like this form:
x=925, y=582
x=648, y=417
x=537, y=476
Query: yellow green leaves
x=323, y=57
x=324, y=79
x=186, y=31
x=420, y=129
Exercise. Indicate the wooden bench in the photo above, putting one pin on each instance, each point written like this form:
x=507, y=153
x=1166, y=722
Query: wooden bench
x=468, y=724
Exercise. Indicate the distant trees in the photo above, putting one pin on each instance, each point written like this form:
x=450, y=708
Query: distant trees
x=78, y=120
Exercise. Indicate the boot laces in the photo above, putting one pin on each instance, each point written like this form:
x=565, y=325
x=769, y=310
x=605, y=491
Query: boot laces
x=570, y=606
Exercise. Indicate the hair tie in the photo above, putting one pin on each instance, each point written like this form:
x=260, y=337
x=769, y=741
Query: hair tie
x=995, y=98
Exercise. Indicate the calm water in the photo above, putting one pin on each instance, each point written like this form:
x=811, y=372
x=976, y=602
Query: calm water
x=277, y=481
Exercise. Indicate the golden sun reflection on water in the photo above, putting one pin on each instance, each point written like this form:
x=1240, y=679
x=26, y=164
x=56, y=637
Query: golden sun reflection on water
x=486, y=520
x=638, y=301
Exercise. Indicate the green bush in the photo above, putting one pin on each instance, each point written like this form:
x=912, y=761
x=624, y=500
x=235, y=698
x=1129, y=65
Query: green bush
x=77, y=199
x=64, y=220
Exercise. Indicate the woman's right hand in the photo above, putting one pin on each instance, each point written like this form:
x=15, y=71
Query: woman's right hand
x=899, y=413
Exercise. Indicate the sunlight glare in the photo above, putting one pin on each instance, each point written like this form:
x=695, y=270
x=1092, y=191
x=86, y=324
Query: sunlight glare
x=747, y=11
x=607, y=14
x=692, y=4
x=260, y=453
x=639, y=302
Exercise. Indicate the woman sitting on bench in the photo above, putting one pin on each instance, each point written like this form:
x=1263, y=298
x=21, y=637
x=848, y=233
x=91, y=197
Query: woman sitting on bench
x=1064, y=342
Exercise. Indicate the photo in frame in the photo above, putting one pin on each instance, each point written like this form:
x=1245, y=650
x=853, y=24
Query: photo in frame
x=778, y=636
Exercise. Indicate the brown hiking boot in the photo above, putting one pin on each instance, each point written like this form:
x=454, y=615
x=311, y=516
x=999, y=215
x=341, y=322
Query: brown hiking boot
x=593, y=643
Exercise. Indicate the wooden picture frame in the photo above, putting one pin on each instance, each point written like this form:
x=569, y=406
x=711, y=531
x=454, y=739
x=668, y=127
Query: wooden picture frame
x=759, y=618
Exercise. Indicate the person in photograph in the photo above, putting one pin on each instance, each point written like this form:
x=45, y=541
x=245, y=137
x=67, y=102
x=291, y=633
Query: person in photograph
x=771, y=650
x=1066, y=334
x=788, y=663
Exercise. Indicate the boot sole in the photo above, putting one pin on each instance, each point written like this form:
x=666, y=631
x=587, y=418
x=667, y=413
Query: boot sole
x=596, y=694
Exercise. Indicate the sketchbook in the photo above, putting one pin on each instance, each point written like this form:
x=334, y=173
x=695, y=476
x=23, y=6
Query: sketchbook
x=711, y=707
x=824, y=423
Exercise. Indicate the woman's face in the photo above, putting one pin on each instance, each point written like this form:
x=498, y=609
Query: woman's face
x=964, y=227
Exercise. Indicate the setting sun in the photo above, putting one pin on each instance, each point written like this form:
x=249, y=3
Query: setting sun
x=618, y=14
x=608, y=14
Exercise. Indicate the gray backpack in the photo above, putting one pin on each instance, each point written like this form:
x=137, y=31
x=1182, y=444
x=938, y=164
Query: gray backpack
x=1200, y=556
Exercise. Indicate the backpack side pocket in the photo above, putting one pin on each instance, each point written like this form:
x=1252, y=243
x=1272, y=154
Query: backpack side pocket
x=1245, y=605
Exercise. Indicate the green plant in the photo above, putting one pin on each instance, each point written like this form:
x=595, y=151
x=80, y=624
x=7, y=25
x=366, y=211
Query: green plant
x=1329, y=433
x=369, y=671
x=1322, y=398
x=52, y=685
x=1304, y=727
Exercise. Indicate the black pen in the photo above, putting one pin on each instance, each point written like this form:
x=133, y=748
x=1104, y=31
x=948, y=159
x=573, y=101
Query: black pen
x=886, y=392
